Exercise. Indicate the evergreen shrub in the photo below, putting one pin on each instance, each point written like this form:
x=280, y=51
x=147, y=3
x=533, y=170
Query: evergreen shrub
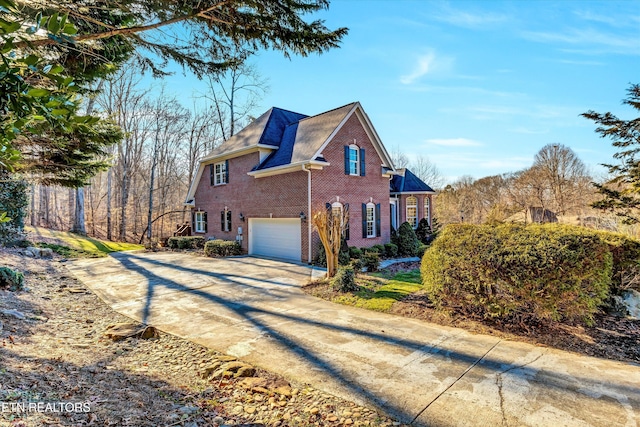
x=406, y=240
x=518, y=273
x=222, y=248
x=11, y=279
x=345, y=280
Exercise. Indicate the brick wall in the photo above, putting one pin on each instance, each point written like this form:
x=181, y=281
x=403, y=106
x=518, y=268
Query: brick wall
x=331, y=182
x=283, y=196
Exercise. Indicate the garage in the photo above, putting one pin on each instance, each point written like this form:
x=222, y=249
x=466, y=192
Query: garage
x=275, y=237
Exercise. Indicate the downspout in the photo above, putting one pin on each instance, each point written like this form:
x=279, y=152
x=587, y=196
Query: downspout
x=308, y=211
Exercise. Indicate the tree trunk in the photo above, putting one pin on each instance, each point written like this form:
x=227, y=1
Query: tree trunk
x=78, y=224
x=33, y=205
x=109, y=235
x=70, y=209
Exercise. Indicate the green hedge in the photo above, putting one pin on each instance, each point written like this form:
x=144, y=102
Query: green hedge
x=536, y=272
x=626, y=258
x=216, y=248
x=186, y=242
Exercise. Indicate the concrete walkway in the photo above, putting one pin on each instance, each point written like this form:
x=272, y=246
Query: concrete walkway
x=414, y=371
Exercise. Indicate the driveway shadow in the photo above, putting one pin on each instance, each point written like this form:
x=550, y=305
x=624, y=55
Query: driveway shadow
x=347, y=377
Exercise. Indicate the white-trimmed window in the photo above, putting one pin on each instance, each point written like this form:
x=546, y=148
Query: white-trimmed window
x=354, y=160
x=225, y=220
x=427, y=209
x=371, y=220
x=412, y=211
x=220, y=173
x=200, y=220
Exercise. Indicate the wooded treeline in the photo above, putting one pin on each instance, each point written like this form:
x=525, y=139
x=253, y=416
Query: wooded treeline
x=157, y=158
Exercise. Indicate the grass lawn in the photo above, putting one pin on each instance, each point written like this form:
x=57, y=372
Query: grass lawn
x=380, y=290
x=74, y=245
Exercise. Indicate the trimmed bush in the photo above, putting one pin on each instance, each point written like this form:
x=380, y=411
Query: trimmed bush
x=185, y=242
x=11, y=279
x=626, y=259
x=406, y=240
x=423, y=232
x=519, y=273
x=222, y=248
x=357, y=264
x=371, y=261
x=379, y=249
x=355, y=252
x=345, y=280
x=390, y=250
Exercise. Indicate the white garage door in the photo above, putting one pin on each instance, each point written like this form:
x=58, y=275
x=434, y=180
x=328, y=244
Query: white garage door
x=277, y=237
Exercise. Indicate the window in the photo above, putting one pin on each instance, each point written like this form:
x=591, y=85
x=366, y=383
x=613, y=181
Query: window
x=427, y=208
x=412, y=211
x=225, y=220
x=200, y=222
x=337, y=210
x=371, y=220
x=354, y=160
x=220, y=173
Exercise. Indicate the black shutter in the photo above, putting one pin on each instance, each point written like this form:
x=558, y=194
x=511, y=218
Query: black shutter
x=226, y=171
x=378, y=220
x=362, y=162
x=229, y=219
x=222, y=221
x=328, y=206
x=364, y=221
x=346, y=227
x=211, y=174
x=193, y=222
x=346, y=160
x=205, y=221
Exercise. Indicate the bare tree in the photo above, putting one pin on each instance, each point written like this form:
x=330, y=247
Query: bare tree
x=235, y=94
x=399, y=158
x=124, y=102
x=331, y=225
x=427, y=171
x=565, y=175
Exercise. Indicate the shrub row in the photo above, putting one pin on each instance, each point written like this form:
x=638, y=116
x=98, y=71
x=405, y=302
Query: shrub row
x=545, y=272
x=186, y=242
x=221, y=248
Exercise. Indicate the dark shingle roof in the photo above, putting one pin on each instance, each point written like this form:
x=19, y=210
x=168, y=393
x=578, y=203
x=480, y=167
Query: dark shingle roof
x=302, y=138
x=408, y=183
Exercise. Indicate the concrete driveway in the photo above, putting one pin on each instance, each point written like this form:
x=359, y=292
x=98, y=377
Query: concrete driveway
x=414, y=371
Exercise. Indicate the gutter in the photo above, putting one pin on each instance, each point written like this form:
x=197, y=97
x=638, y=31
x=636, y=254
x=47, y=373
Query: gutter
x=304, y=168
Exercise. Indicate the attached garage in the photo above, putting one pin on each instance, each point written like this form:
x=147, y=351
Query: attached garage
x=276, y=238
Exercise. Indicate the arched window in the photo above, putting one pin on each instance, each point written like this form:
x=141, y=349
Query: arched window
x=427, y=209
x=412, y=211
x=371, y=220
x=354, y=160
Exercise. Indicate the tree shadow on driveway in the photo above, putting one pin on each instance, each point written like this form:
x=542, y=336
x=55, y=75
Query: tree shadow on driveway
x=406, y=408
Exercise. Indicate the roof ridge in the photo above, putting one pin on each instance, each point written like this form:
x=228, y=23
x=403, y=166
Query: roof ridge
x=329, y=111
x=289, y=111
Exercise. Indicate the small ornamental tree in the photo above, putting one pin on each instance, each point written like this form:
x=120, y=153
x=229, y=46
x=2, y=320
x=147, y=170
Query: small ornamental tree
x=331, y=226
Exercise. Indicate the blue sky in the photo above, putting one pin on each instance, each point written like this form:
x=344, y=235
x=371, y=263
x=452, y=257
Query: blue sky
x=477, y=87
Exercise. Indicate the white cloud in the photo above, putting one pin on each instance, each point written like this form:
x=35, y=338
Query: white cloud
x=470, y=19
x=424, y=65
x=454, y=142
x=597, y=41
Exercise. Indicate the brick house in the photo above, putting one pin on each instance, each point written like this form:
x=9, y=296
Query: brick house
x=262, y=185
